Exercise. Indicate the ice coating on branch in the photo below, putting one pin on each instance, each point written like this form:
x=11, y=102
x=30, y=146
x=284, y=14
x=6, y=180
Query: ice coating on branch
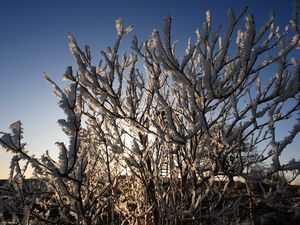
x=289, y=138
x=16, y=130
x=206, y=80
x=275, y=157
x=208, y=18
x=155, y=39
x=63, y=156
x=12, y=141
x=181, y=78
x=119, y=26
x=82, y=60
x=128, y=29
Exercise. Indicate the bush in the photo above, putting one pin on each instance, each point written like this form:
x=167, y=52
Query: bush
x=151, y=147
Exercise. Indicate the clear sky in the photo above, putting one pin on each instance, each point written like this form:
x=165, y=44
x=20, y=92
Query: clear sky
x=33, y=39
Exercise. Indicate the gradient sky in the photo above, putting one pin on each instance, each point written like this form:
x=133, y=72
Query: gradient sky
x=33, y=39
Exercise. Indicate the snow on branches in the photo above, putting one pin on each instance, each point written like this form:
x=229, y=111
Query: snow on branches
x=150, y=147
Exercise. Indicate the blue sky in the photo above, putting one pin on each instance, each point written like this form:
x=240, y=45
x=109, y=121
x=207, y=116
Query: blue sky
x=33, y=40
